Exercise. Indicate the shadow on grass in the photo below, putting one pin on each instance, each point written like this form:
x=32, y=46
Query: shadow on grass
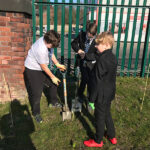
x=16, y=132
x=85, y=124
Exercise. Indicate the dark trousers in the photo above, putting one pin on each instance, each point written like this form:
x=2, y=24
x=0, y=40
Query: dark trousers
x=85, y=79
x=35, y=82
x=103, y=117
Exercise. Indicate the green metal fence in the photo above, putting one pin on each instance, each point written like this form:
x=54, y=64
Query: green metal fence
x=129, y=22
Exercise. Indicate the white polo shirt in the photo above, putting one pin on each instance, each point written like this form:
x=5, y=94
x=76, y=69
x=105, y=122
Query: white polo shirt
x=38, y=54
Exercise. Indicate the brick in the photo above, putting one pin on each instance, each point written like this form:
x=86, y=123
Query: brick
x=18, y=49
x=3, y=33
x=12, y=24
x=18, y=29
x=6, y=43
x=17, y=39
x=19, y=34
x=5, y=38
x=5, y=66
x=18, y=76
x=18, y=15
x=5, y=62
x=17, y=19
x=5, y=57
x=3, y=18
x=6, y=53
x=5, y=29
x=16, y=67
x=9, y=14
x=15, y=44
x=6, y=48
x=21, y=54
x=17, y=58
x=2, y=23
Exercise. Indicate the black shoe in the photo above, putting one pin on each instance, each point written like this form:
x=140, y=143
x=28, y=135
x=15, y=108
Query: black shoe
x=38, y=118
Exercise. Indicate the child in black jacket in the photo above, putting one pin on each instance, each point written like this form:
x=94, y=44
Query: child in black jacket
x=84, y=46
x=103, y=89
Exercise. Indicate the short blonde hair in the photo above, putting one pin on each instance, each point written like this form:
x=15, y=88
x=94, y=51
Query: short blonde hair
x=105, y=38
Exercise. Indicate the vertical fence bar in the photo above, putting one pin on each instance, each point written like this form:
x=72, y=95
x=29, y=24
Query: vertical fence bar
x=119, y=31
x=55, y=24
x=33, y=21
x=146, y=46
x=62, y=31
x=77, y=18
x=132, y=38
x=113, y=18
x=92, y=11
x=84, y=16
x=69, y=36
x=99, y=17
x=106, y=16
x=139, y=39
x=77, y=26
x=41, y=18
x=48, y=16
x=125, y=39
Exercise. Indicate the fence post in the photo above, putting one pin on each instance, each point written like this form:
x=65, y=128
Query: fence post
x=119, y=31
x=62, y=31
x=145, y=46
x=125, y=40
x=99, y=17
x=113, y=18
x=55, y=24
x=48, y=16
x=41, y=18
x=69, y=36
x=106, y=16
x=139, y=39
x=85, y=16
x=132, y=39
x=92, y=11
x=33, y=21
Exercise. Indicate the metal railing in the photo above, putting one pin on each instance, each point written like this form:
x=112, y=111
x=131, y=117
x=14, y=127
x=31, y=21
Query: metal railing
x=130, y=24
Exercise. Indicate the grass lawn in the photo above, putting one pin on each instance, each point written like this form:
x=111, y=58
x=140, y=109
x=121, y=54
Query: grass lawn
x=132, y=126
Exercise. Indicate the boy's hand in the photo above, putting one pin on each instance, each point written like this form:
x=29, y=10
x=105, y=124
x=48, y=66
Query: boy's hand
x=61, y=67
x=81, y=53
x=92, y=106
x=55, y=80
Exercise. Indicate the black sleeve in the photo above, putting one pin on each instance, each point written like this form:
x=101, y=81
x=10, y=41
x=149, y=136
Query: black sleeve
x=101, y=68
x=75, y=43
x=106, y=64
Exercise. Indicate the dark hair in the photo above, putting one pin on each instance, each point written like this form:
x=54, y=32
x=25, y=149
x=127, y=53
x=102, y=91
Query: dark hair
x=91, y=27
x=52, y=37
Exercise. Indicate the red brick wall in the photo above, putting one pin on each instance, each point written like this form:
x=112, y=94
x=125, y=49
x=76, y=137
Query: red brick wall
x=15, y=41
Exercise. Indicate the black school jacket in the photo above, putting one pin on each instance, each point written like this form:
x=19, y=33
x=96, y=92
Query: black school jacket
x=103, y=84
x=79, y=43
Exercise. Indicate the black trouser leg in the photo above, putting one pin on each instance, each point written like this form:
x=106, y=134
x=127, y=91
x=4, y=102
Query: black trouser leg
x=109, y=124
x=84, y=80
x=50, y=91
x=34, y=84
x=103, y=117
